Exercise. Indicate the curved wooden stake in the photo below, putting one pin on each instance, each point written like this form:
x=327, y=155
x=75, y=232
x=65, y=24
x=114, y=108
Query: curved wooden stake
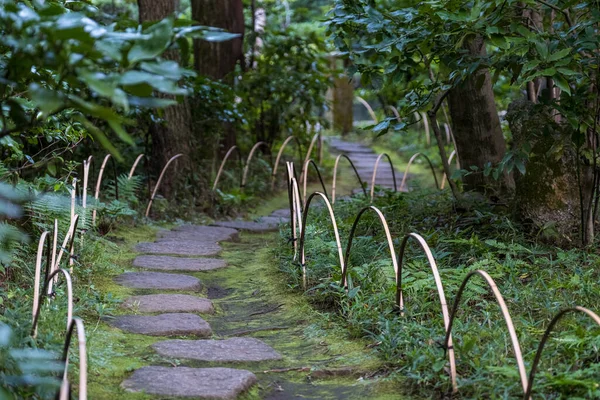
x=450, y=158
x=441, y=295
x=426, y=126
x=98, y=185
x=73, y=198
x=38, y=273
x=408, y=169
x=304, y=174
x=309, y=151
x=296, y=214
x=375, y=174
x=368, y=107
x=505, y=314
x=160, y=177
x=69, y=240
x=65, y=389
x=396, y=113
x=222, y=166
x=388, y=237
x=538, y=354
x=335, y=168
x=134, y=166
x=45, y=293
x=303, y=233
x=278, y=158
x=115, y=177
x=247, y=167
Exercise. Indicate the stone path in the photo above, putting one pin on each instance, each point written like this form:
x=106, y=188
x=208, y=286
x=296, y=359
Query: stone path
x=364, y=159
x=175, y=314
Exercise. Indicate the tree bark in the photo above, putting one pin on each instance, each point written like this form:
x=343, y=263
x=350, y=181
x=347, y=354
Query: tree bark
x=343, y=96
x=174, y=135
x=476, y=127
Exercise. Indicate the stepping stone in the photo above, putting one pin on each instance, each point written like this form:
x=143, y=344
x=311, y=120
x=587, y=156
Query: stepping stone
x=200, y=383
x=169, y=303
x=172, y=324
x=239, y=349
x=201, y=233
x=273, y=220
x=250, y=226
x=180, y=247
x=284, y=212
x=167, y=263
x=158, y=280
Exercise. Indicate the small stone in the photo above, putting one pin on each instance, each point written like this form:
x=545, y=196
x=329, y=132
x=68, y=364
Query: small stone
x=158, y=280
x=169, y=303
x=180, y=247
x=239, y=349
x=167, y=263
x=200, y=383
x=250, y=226
x=172, y=324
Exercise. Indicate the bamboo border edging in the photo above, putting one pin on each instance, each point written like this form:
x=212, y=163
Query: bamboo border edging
x=373, y=178
x=310, y=148
x=98, y=184
x=69, y=236
x=368, y=107
x=450, y=158
x=303, y=233
x=305, y=178
x=395, y=112
x=402, y=185
x=505, y=314
x=247, y=166
x=335, y=168
x=441, y=294
x=162, y=173
x=278, y=158
x=38, y=271
x=222, y=166
x=545, y=337
x=45, y=293
x=134, y=166
x=76, y=323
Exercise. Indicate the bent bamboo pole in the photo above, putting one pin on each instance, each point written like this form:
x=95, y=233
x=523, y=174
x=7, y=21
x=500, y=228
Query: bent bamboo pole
x=426, y=126
x=296, y=214
x=368, y=107
x=222, y=166
x=388, y=238
x=444, y=177
x=98, y=185
x=309, y=151
x=303, y=233
x=335, y=168
x=44, y=293
x=441, y=295
x=305, y=178
x=505, y=314
x=38, y=272
x=247, y=166
x=76, y=323
x=134, y=166
x=408, y=169
x=160, y=177
x=375, y=174
x=278, y=158
x=396, y=113
x=538, y=354
x=69, y=238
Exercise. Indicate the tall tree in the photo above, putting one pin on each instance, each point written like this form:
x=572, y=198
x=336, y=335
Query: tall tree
x=173, y=135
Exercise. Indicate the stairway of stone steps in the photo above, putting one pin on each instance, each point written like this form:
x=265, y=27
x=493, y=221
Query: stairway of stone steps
x=166, y=313
x=364, y=159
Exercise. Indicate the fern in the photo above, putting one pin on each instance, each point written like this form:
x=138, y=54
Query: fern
x=128, y=189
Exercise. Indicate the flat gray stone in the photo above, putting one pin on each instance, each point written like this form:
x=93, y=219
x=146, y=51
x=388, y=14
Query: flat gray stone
x=249, y=226
x=180, y=247
x=172, y=324
x=200, y=383
x=158, y=280
x=200, y=233
x=284, y=212
x=239, y=349
x=273, y=220
x=167, y=263
x=169, y=303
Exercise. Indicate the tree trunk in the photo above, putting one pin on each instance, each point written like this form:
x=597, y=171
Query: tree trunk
x=343, y=96
x=476, y=127
x=174, y=135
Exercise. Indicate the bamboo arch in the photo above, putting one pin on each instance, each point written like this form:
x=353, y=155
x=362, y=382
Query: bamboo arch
x=368, y=107
x=278, y=158
x=38, y=271
x=317, y=136
x=134, y=166
x=77, y=324
x=222, y=166
x=375, y=174
x=450, y=158
x=296, y=213
x=408, y=169
x=162, y=174
x=305, y=177
x=247, y=167
x=395, y=112
x=99, y=184
x=441, y=295
x=45, y=293
x=303, y=232
x=538, y=354
x=335, y=168
x=69, y=239
x=388, y=237
x=505, y=314
x=426, y=127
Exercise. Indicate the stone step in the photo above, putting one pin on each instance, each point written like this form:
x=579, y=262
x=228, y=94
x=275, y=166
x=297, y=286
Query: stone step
x=200, y=233
x=166, y=263
x=180, y=247
x=199, y=383
x=169, y=303
x=284, y=212
x=239, y=349
x=249, y=226
x=171, y=324
x=158, y=280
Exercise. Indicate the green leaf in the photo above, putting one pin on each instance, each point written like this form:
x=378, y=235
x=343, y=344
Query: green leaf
x=154, y=45
x=48, y=101
x=562, y=83
x=99, y=135
x=542, y=49
x=559, y=55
